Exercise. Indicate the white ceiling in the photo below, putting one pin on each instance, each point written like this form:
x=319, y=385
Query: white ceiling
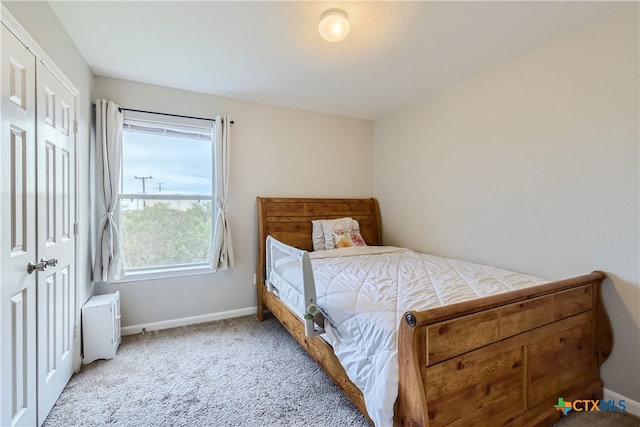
x=270, y=51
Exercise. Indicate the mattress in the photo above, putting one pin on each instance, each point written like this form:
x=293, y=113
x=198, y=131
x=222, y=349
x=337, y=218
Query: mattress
x=363, y=293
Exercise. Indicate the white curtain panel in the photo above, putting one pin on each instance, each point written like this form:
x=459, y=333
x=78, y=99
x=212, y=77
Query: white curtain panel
x=222, y=246
x=108, y=266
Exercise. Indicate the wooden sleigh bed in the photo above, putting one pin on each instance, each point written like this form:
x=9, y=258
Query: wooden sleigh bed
x=499, y=360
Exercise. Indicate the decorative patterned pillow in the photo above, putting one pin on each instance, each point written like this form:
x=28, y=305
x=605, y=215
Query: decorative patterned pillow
x=347, y=239
x=331, y=225
x=322, y=228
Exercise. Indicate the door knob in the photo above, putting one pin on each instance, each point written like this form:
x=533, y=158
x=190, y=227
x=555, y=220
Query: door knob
x=40, y=266
x=50, y=262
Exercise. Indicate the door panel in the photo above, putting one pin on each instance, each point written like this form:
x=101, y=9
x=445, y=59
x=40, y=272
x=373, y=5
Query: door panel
x=18, y=229
x=56, y=288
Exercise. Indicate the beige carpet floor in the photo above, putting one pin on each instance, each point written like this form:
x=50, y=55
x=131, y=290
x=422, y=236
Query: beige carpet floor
x=236, y=372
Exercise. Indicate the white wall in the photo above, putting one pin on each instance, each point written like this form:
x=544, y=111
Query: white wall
x=40, y=22
x=531, y=166
x=274, y=152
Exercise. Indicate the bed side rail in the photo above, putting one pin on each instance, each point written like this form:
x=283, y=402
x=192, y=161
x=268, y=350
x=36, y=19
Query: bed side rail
x=276, y=253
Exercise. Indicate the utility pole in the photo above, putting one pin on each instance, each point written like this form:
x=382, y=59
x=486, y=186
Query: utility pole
x=144, y=191
x=159, y=187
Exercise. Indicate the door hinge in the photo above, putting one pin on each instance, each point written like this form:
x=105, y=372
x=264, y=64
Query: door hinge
x=75, y=330
x=75, y=126
x=75, y=228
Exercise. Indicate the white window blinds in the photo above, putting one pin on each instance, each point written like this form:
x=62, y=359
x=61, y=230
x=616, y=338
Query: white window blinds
x=167, y=125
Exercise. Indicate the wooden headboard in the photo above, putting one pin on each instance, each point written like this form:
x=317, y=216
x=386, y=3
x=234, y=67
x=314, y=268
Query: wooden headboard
x=289, y=220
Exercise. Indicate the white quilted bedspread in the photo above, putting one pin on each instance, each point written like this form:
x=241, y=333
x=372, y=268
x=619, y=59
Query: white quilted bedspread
x=364, y=291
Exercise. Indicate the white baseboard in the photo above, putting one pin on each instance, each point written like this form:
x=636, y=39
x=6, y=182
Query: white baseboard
x=632, y=406
x=185, y=321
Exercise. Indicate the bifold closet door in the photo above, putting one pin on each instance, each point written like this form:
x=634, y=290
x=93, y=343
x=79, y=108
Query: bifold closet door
x=56, y=239
x=18, y=398
x=38, y=241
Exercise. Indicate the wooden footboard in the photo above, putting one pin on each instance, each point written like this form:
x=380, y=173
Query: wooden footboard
x=504, y=359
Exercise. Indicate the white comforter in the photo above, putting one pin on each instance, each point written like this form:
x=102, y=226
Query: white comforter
x=364, y=291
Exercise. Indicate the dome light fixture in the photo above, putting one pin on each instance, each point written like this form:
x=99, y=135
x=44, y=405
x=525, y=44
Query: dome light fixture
x=334, y=25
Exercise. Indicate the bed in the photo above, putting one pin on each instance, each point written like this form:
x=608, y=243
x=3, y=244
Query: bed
x=494, y=360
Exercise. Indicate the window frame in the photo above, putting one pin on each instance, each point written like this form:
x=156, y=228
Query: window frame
x=169, y=121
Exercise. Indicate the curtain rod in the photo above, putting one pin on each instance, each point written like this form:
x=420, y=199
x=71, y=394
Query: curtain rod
x=169, y=114
x=166, y=114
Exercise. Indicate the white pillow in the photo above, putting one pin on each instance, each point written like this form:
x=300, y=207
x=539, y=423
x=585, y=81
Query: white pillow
x=331, y=225
x=317, y=235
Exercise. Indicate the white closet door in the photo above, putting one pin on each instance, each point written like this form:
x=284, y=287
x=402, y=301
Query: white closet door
x=18, y=240
x=38, y=243
x=56, y=239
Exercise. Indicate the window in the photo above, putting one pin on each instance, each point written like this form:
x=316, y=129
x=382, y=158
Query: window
x=167, y=197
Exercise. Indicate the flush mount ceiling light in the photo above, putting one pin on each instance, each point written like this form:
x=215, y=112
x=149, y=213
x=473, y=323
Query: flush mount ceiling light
x=334, y=25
